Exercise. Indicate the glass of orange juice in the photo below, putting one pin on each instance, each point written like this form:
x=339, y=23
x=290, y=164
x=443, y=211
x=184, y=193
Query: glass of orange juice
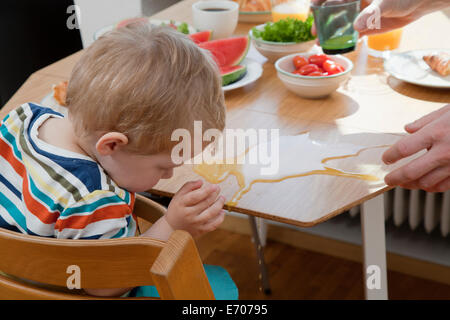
x=296, y=9
x=380, y=45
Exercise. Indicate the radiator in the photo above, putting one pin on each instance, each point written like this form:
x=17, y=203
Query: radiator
x=416, y=207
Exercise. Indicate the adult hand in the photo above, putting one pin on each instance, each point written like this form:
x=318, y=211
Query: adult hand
x=386, y=15
x=431, y=171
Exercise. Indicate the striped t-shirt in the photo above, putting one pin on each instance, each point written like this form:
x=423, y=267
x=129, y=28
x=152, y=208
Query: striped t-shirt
x=52, y=192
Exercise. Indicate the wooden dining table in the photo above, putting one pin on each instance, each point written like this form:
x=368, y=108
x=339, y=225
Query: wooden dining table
x=370, y=110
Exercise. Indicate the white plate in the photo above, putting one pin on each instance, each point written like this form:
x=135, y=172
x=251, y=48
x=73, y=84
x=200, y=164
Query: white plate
x=51, y=103
x=254, y=71
x=103, y=30
x=410, y=67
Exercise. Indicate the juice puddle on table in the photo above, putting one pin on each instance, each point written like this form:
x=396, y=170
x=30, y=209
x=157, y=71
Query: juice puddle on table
x=299, y=156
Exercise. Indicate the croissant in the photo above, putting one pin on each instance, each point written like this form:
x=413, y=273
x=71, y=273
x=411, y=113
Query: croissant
x=439, y=62
x=254, y=5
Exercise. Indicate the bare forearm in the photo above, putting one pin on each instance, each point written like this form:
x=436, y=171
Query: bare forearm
x=428, y=6
x=439, y=4
x=160, y=230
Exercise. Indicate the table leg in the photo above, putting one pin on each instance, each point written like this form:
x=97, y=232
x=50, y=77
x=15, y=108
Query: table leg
x=262, y=230
x=263, y=276
x=374, y=249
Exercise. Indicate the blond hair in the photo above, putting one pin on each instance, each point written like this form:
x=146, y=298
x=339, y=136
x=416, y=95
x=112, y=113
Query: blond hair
x=145, y=82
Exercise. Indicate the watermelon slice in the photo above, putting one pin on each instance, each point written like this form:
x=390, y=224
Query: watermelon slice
x=228, y=52
x=126, y=22
x=201, y=36
x=232, y=74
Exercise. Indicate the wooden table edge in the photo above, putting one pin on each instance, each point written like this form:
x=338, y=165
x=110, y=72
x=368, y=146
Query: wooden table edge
x=298, y=223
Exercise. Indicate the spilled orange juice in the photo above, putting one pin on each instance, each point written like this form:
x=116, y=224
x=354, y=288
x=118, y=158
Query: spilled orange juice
x=299, y=156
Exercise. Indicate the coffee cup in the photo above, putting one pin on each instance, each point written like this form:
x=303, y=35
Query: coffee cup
x=220, y=16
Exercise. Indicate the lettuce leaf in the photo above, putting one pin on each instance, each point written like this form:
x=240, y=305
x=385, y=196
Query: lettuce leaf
x=286, y=30
x=183, y=28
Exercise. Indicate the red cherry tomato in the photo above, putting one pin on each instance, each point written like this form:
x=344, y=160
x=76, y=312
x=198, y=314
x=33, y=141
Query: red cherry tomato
x=299, y=61
x=340, y=68
x=333, y=67
x=307, y=69
x=315, y=74
x=318, y=59
x=329, y=65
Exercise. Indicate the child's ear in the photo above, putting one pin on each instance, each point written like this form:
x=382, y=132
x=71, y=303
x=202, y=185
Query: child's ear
x=108, y=143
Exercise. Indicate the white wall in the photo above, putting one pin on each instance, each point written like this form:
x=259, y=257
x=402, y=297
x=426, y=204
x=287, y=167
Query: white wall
x=99, y=13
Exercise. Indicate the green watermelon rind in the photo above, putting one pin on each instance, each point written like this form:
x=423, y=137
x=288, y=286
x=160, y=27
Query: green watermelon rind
x=234, y=76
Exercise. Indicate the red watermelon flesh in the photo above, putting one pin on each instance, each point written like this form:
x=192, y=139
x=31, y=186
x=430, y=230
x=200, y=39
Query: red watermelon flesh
x=201, y=36
x=228, y=52
x=126, y=22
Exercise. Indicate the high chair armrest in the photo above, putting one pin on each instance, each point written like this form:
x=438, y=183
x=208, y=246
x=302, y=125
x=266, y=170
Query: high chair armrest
x=147, y=209
x=172, y=270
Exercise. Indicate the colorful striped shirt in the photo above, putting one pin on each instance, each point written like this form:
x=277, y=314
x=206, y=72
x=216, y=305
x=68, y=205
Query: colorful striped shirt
x=52, y=192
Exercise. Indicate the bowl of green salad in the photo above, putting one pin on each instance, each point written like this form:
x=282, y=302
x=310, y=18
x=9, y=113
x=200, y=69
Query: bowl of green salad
x=277, y=39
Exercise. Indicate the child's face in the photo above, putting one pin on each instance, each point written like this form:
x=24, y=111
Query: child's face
x=138, y=173
x=134, y=172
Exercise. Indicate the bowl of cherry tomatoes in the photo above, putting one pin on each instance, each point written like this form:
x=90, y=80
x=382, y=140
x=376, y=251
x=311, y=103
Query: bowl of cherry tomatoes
x=312, y=75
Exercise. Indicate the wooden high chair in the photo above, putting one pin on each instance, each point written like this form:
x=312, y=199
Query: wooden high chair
x=174, y=267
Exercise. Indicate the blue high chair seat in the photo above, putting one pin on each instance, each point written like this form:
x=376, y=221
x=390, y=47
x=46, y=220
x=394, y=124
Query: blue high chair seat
x=222, y=285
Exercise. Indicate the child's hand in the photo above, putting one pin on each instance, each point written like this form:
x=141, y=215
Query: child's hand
x=196, y=208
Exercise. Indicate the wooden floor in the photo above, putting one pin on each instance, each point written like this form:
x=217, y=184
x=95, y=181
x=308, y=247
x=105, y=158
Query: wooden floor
x=301, y=274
